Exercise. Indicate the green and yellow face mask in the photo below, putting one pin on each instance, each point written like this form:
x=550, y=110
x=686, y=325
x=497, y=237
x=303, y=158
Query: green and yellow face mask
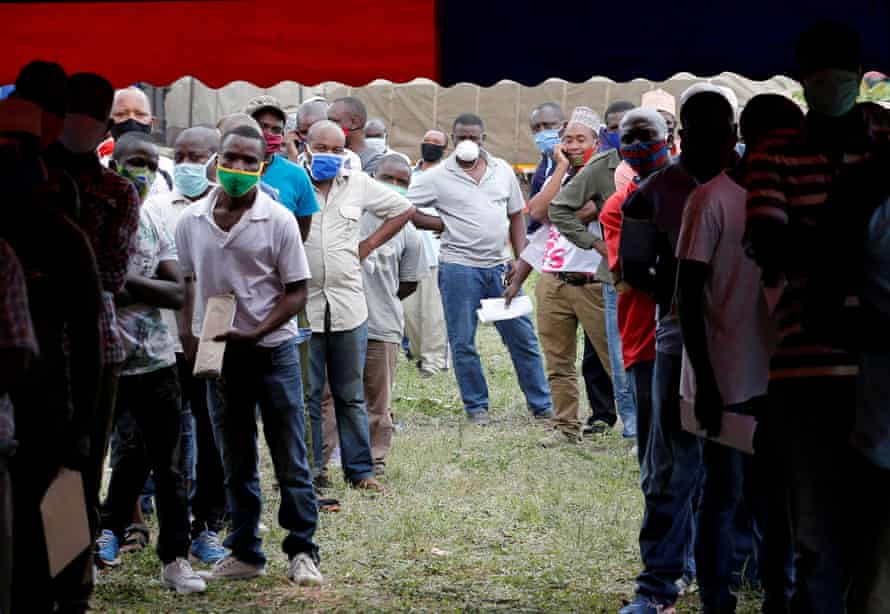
x=237, y=182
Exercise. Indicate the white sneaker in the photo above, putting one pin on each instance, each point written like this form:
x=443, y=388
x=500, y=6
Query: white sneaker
x=303, y=570
x=231, y=568
x=180, y=576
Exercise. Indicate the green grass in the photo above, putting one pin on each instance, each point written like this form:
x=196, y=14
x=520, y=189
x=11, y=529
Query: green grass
x=475, y=520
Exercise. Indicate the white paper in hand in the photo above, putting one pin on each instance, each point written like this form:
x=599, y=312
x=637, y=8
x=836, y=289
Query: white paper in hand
x=494, y=310
x=218, y=319
x=64, y=514
x=736, y=430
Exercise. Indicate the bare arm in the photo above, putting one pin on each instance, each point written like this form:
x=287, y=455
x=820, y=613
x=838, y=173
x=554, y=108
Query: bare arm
x=539, y=204
x=422, y=221
x=185, y=317
x=517, y=233
x=165, y=291
x=387, y=231
x=406, y=289
x=305, y=223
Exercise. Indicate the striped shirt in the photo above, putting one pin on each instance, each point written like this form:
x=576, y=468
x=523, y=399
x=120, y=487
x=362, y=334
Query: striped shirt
x=789, y=180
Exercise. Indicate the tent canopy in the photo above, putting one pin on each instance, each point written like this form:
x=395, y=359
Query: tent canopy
x=449, y=41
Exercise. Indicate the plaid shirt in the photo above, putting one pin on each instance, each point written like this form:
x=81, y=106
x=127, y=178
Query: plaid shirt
x=16, y=330
x=109, y=216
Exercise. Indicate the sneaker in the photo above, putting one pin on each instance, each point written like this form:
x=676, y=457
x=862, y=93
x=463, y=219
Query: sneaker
x=180, y=576
x=478, y=419
x=231, y=568
x=558, y=438
x=303, y=570
x=372, y=484
x=109, y=547
x=207, y=549
x=136, y=537
x=642, y=605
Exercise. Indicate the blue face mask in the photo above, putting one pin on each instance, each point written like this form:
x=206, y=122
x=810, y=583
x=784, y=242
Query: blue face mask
x=833, y=92
x=190, y=178
x=547, y=140
x=325, y=166
x=609, y=140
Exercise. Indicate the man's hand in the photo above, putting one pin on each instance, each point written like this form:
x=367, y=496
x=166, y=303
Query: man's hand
x=509, y=273
x=238, y=338
x=559, y=157
x=189, y=346
x=510, y=293
x=708, y=408
x=364, y=249
x=588, y=213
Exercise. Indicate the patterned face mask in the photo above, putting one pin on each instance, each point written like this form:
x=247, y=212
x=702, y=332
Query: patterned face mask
x=141, y=176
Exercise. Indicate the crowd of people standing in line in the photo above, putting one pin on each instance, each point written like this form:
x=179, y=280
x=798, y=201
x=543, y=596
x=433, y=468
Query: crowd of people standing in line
x=704, y=274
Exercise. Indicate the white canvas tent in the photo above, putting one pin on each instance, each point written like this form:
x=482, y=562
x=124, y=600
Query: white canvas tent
x=410, y=109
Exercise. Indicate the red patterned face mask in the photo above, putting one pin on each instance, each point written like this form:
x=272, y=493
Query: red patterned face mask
x=273, y=142
x=646, y=157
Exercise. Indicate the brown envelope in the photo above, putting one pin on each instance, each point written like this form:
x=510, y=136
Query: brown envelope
x=218, y=319
x=65, y=525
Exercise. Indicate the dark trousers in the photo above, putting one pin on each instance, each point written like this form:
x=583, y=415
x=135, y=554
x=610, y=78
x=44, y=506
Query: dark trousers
x=816, y=425
x=209, y=499
x=670, y=486
x=732, y=480
x=598, y=384
x=153, y=401
x=640, y=376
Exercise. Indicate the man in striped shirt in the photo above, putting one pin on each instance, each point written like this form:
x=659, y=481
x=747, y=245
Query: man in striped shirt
x=812, y=390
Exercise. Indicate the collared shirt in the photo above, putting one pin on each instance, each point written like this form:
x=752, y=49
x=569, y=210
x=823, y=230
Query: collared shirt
x=148, y=344
x=401, y=259
x=16, y=330
x=254, y=260
x=476, y=215
x=789, y=179
x=109, y=216
x=596, y=182
x=168, y=209
x=332, y=248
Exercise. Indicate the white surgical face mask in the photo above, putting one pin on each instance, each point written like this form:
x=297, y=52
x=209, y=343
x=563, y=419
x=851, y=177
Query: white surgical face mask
x=82, y=133
x=377, y=143
x=467, y=151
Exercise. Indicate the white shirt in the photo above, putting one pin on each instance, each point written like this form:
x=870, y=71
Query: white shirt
x=476, y=216
x=168, y=208
x=739, y=330
x=253, y=260
x=332, y=247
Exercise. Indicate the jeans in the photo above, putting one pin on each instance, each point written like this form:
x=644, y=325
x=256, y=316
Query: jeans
x=153, y=402
x=730, y=480
x=339, y=358
x=208, y=494
x=620, y=382
x=462, y=288
x=270, y=378
x=670, y=486
x=640, y=378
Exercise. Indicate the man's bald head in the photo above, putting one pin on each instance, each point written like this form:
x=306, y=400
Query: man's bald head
x=136, y=145
x=375, y=128
x=435, y=136
x=234, y=120
x=395, y=170
x=349, y=112
x=131, y=103
x=196, y=145
x=327, y=133
x=309, y=113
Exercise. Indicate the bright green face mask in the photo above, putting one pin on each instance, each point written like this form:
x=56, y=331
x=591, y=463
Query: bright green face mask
x=236, y=182
x=398, y=189
x=141, y=176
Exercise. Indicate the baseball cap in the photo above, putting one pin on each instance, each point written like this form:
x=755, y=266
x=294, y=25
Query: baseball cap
x=265, y=103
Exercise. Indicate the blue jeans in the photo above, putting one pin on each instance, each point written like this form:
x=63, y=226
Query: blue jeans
x=462, y=289
x=339, y=357
x=670, y=486
x=620, y=382
x=269, y=378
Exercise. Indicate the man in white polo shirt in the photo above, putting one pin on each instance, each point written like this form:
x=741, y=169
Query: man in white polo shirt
x=239, y=241
x=478, y=197
x=337, y=309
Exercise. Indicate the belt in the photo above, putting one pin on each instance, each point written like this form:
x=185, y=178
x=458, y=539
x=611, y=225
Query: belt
x=577, y=279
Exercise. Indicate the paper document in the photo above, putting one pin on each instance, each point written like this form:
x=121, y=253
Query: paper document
x=736, y=430
x=218, y=319
x=64, y=513
x=494, y=310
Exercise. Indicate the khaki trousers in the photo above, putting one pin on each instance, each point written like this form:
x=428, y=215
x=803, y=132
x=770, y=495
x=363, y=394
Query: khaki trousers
x=425, y=324
x=380, y=372
x=561, y=307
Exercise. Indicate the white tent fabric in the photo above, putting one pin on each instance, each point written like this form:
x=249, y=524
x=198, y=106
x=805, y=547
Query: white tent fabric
x=410, y=109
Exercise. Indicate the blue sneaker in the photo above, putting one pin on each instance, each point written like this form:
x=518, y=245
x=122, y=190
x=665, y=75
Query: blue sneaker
x=207, y=549
x=644, y=605
x=109, y=549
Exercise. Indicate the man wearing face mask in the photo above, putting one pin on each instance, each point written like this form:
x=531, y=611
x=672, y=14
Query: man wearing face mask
x=375, y=136
x=312, y=111
x=291, y=181
x=545, y=121
x=131, y=112
x=814, y=370
x=337, y=309
x=424, y=316
x=109, y=216
x=350, y=114
x=194, y=155
x=478, y=198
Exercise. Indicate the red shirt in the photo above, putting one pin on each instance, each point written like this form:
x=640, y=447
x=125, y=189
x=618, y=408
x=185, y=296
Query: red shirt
x=636, y=309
